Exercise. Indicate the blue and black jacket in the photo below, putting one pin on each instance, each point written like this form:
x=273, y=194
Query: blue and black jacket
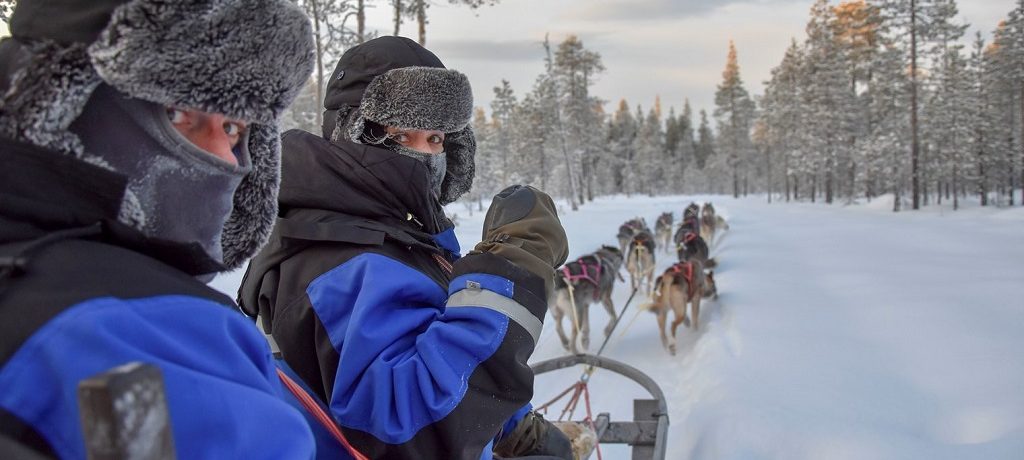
x=419, y=353
x=80, y=295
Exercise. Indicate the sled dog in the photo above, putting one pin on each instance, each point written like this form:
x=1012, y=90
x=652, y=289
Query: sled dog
x=682, y=284
x=640, y=261
x=663, y=230
x=580, y=283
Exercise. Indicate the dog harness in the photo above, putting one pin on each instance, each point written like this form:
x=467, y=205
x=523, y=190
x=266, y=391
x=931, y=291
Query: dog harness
x=585, y=272
x=686, y=269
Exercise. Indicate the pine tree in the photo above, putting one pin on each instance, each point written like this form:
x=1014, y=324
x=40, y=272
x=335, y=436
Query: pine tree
x=734, y=111
x=705, y=147
x=622, y=132
x=782, y=114
x=829, y=99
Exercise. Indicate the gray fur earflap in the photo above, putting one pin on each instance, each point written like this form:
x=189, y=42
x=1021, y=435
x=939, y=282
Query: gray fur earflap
x=190, y=53
x=47, y=95
x=255, y=199
x=460, y=147
x=425, y=98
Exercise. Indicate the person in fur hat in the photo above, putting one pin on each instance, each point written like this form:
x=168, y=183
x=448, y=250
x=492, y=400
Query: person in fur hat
x=140, y=151
x=418, y=353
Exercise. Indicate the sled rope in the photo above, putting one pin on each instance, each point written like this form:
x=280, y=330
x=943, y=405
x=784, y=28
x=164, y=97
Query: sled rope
x=578, y=389
x=572, y=307
x=318, y=413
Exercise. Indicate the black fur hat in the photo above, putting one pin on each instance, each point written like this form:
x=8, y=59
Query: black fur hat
x=393, y=81
x=246, y=59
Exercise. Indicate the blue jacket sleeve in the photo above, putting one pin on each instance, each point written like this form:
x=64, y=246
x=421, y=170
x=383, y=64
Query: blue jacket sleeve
x=224, y=397
x=422, y=369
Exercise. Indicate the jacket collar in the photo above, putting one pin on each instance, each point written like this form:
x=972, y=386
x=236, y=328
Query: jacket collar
x=358, y=180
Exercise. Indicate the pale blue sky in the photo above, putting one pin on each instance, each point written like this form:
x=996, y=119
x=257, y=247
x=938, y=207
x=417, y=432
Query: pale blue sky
x=672, y=48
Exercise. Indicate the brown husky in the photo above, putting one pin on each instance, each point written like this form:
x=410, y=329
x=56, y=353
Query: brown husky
x=682, y=284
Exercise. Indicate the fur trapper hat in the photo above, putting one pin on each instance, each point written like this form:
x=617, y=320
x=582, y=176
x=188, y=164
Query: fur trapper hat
x=244, y=59
x=393, y=81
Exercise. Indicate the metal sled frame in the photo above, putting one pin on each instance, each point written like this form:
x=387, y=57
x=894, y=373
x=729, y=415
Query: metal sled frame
x=648, y=431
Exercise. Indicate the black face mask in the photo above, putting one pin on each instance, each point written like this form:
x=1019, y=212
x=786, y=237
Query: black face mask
x=176, y=192
x=437, y=164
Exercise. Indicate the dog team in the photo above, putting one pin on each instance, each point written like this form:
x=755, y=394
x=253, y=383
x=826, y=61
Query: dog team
x=591, y=278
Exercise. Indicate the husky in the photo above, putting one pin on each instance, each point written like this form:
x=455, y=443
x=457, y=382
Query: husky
x=691, y=212
x=691, y=225
x=682, y=284
x=692, y=247
x=578, y=284
x=640, y=261
x=663, y=230
x=630, y=228
x=708, y=219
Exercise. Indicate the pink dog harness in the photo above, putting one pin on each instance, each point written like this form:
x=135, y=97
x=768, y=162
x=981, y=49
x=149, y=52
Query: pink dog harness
x=585, y=272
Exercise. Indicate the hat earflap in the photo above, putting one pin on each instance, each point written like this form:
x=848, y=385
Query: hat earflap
x=255, y=200
x=47, y=95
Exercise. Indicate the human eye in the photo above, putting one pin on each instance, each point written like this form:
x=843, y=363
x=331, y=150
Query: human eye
x=436, y=138
x=401, y=138
x=176, y=116
x=233, y=128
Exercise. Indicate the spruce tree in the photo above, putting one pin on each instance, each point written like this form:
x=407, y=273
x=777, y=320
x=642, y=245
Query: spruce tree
x=734, y=112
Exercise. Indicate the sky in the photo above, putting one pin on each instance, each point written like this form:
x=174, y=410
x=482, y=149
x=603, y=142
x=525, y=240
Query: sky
x=674, y=49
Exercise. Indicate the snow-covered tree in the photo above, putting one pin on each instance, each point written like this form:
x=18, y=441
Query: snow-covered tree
x=6, y=8
x=734, y=112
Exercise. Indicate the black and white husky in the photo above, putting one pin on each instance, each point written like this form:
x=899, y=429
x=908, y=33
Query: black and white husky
x=578, y=284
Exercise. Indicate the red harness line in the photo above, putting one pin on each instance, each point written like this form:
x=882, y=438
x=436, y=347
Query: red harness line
x=318, y=413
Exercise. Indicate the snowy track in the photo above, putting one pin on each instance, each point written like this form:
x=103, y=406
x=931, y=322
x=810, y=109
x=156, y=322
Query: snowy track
x=840, y=333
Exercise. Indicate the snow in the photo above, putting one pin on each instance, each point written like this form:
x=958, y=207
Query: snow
x=842, y=332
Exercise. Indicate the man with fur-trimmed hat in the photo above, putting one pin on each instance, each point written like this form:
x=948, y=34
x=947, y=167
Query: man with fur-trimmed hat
x=140, y=154
x=419, y=353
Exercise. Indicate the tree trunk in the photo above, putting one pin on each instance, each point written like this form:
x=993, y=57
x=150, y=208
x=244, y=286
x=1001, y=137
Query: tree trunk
x=319, y=63
x=1021, y=137
x=360, y=22
x=421, y=19
x=956, y=183
x=398, y=16
x=814, y=188
x=915, y=184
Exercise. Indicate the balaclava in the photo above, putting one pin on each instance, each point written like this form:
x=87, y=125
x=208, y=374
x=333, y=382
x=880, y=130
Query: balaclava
x=97, y=78
x=393, y=81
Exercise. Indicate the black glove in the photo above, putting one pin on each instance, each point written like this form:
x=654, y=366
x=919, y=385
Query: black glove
x=522, y=227
x=534, y=436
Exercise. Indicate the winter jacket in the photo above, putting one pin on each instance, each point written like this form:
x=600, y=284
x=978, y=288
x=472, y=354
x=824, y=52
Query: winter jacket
x=81, y=294
x=419, y=354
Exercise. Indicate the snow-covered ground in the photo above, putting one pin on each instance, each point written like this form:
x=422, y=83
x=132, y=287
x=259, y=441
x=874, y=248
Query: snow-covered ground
x=842, y=332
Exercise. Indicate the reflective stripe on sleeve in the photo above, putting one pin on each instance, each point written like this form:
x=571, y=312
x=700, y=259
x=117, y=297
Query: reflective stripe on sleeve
x=497, y=302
